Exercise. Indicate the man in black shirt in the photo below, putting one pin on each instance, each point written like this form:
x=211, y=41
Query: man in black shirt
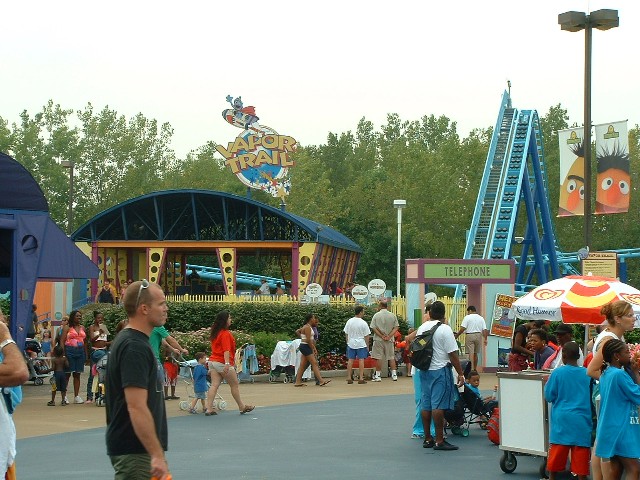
x=105, y=295
x=136, y=417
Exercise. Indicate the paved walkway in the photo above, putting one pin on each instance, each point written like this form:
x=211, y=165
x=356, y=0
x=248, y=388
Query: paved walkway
x=339, y=431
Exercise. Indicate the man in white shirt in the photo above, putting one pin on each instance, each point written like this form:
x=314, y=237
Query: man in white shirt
x=476, y=331
x=439, y=391
x=264, y=288
x=357, y=332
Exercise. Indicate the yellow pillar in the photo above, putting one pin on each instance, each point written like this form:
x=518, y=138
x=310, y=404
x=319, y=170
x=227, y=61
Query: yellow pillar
x=305, y=263
x=227, y=262
x=155, y=257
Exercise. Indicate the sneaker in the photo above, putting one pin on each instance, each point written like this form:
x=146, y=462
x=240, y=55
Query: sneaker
x=78, y=400
x=394, y=377
x=193, y=411
x=376, y=379
x=66, y=399
x=51, y=404
x=445, y=446
x=417, y=435
x=64, y=403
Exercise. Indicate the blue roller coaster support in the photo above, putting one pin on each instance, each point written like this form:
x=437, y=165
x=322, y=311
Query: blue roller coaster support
x=513, y=187
x=515, y=177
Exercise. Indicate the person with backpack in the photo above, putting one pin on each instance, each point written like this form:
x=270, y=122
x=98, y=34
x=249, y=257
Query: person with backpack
x=439, y=391
x=418, y=429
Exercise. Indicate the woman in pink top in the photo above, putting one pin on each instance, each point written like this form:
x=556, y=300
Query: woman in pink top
x=74, y=342
x=223, y=349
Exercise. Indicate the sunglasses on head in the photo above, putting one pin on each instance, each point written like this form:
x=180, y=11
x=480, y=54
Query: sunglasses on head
x=143, y=284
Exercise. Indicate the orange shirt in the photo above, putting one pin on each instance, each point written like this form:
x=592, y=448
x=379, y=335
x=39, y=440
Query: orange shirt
x=224, y=342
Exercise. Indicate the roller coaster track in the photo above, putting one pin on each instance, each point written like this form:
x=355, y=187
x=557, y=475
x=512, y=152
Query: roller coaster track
x=512, y=216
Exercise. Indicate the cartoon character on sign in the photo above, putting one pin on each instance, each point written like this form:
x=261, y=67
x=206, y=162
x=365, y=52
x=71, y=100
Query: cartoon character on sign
x=613, y=181
x=240, y=116
x=259, y=156
x=571, y=200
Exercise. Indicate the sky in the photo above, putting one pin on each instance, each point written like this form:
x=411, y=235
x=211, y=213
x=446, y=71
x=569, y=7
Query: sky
x=311, y=68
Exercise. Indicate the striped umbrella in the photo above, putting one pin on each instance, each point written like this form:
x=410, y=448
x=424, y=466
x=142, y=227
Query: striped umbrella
x=576, y=299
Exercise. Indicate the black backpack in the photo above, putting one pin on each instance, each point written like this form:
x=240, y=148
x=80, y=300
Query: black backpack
x=422, y=349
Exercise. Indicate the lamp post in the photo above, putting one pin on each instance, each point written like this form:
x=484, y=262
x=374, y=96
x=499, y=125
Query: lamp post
x=574, y=22
x=68, y=164
x=399, y=205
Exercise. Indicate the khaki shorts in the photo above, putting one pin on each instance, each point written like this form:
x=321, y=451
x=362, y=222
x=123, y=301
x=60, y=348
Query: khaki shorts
x=473, y=343
x=219, y=367
x=382, y=350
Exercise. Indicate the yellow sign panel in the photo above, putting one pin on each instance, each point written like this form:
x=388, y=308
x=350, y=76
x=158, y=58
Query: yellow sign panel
x=601, y=264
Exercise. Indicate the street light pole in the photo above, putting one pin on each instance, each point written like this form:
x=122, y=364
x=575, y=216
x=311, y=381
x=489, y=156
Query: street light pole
x=399, y=205
x=586, y=142
x=68, y=164
x=574, y=22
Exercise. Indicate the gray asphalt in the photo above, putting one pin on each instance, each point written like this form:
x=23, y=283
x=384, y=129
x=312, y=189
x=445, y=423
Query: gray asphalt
x=338, y=439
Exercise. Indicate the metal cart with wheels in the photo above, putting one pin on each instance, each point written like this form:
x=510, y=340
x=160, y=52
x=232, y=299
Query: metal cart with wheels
x=524, y=421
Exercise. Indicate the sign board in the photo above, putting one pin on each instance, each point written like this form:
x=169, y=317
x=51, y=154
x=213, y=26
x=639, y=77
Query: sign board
x=504, y=317
x=601, y=264
x=313, y=290
x=259, y=156
x=463, y=272
x=359, y=292
x=377, y=287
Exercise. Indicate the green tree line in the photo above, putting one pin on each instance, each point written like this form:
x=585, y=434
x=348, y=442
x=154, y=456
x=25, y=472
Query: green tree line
x=349, y=183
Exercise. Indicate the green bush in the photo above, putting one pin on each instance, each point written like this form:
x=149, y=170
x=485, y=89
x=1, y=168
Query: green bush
x=198, y=340
x=265, y=342
x=276, y=321
x=5, y=306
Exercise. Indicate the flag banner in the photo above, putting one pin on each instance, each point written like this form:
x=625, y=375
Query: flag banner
x=571, y=199
x=613, y=180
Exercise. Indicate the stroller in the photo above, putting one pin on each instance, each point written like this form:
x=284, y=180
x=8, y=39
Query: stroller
x=38, y=368
x=186, y=374
x=283, y=360
x=246, y=362
x=468, y=409
x=99, y=380
x=286, y=359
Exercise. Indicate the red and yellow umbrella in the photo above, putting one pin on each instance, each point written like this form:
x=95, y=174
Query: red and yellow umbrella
x=576, y=299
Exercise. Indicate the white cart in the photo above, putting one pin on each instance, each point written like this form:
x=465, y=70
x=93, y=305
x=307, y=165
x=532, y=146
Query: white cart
x=524, y=420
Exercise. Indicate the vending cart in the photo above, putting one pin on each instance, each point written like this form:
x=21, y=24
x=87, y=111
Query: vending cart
x=524, y=420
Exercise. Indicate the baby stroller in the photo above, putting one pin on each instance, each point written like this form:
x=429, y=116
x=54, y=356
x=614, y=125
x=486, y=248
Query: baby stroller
x=283, y=360
x=246, y=362
x=38, y=368
x=100, y=380
x=186, y=374
x=468, y=409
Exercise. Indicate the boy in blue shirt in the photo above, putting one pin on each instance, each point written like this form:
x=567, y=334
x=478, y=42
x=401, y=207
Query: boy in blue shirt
x=570, y=426
x=473, y=383
x=200, y=386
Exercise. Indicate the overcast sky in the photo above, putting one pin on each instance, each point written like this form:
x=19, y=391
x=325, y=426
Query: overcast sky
x=311, y=68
